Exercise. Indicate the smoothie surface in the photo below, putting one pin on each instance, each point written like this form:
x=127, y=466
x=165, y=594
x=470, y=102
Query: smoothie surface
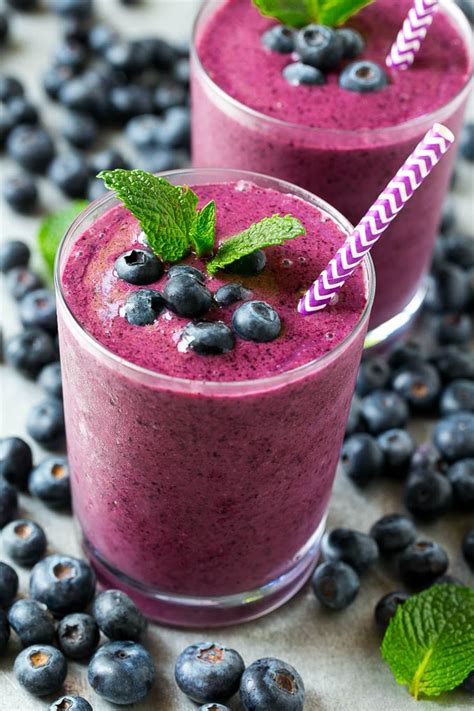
x=96, y=295
x=230, y=48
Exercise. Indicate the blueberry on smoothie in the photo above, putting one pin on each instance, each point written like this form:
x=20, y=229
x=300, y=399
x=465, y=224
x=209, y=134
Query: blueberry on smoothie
x=13, y=253
x=461, y=476
x=117, y=616
x=8, y=584
x=24, y=541
x=138, y=266
x=335, y=584
x=421, y=563
x=393, y=533
x=38, y=310
x=186, y=296
x=270, y=683
x=63, y=583
x=45, y=423
x=363, y=76
x=180, y=269
x=256, y=321
x=209, y=671
x=454, y=436
x=358, y=550
x=230, y=293
x=71, y=703
x=428, y=496
x=122, y=672
x=250, y=265
x=16, y=461
x=143, y=307
x=208, y=337
x=32, y=622
x=387, y=606
x=299, y=73
x=319, y=46
x=352, y=42
x=279, y=38
x=362, y=458
x=40, y=669
x=78, y=635
x=398, y=447
x=4, y=631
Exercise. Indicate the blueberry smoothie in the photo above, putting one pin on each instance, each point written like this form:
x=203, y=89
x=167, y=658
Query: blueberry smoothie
x=335, y=135
x=195, y=476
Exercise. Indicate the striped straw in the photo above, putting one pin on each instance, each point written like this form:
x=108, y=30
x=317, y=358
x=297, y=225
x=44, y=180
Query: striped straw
x=413, y=32
x=390, y=202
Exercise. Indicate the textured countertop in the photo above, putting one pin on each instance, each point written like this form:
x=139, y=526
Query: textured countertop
x=336, y=654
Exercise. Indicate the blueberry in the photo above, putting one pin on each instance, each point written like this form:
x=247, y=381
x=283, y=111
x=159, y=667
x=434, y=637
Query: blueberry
x=438, y=257
x=213, y=707
x=122, y=672
x=6, y=126
x=21, y=193
x=352, y=42
x=335, y=584
x=13, y=253
x=271, y=685
x=50, y=482
x=143, y=307
x=393, y=533
x=363, y=76
x=362, y=458
x=461, y=476
x=71, y=703
x=54, y=79
x=299, y=73
x=358, y=550
x=180, y=269
x=130, y=100
x=24, y=541
x=138, y=266
x=23, y=5
x=38, y=310
x=118, y=617
x=31, y=147
x=8, y=502
x=428, y=496
x=457, y=396
x=354, y=421
x=384, y=410
x=78, y=635
x=453, y=363
x=209, y=671
x=40, y=669
x=50, y=380
x=142, y=131
x=181, y=71
x=450, y=290
x=427, y=459
x=63, y=583
x=208, y=337
x=22, y=110
x=128, y=57
x=76, y=29
x=96, y=189
x=85, y=93
x=410, y=352
x=71, y=53
x=16, y=461
x=460, y=250
x=169, y=94
x=387, y=606
x=186, y=296
x=73, y=8
x=69, y=172
x=230, y=293
x=8, y=584
x=9, y=87
x=30, y=350
x=250, y=265
x=454, y=328
x=159, y=159
x=32, y=622
x=468, y=547
x=4, y=27
x=173, y=129
x=374, y=374
x=448, y=218
x=466, y=142
x=4, y=632
x=45, y=423
x=79, y=129
x=256, y=321
x=468, y=683
x=163, y=55
x=454, y=435
x=20, y=281
x=398, y=447
x=419, y=385
x=279, y=38
x=319, y=46
x=421, y=563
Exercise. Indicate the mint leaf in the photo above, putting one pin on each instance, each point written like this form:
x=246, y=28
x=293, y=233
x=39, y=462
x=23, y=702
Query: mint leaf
x=266, y=233
x=298, y=13
x=429, y=644
x=203, y=230
x=53, y=228
x=189, y=202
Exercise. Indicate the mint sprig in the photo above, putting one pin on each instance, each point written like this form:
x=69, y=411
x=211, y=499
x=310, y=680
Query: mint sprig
x=268, y=232
x=429, y=644
x=203, y=230
x=53, y=228
x=298, y=13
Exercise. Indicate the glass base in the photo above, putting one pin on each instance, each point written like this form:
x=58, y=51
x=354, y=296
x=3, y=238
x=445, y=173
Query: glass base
x=188, y=611
x=384, y=336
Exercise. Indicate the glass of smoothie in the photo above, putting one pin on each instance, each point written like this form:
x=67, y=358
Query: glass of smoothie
x=339, y=144
x=201, y=483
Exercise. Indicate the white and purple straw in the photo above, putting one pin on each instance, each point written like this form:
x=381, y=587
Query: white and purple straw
x=413, y=32
x=390, y=202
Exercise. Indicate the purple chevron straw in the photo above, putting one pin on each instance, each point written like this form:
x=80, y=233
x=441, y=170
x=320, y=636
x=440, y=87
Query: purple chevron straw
x=413, y=32
x=385, y=209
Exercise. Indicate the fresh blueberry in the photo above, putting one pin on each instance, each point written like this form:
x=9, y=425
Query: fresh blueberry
x=186, y=296
x=159, y=159
x=410, y=352
x=16, y=461
x=250, y=265
x=4, y=28
x=448, y=580
x=38, y=310
x=96, y=189
x=31, y=147
x=449, y=292
x=453, y=363
x=439, y=256
x=32, y=622
x=71, y=703
x=207, y=337
x=256, y=321
x=466, y=142
x=209, y=671
x=122, y=672
x=172, y=131
x=130, y=100
x=22, y=110
x=358, y=550
x=142, y=131
x=45, y=423
x=271, y=685
x=69, y=172
x=384, y=410
x=40, y=669
x=398, y=447
x=76, y=29
x=63, y=583
x=468, y=683
x=230, y=293
x=50, y=380
x=460, y=250
x=6, y=126
x=427, y=459
x=8, y=584
x=78, y=635
x=279, y=38
x=457, y=396
x=80, y=130
x=335, y=584
x=354, y=421
x=117, y=616
x=163, y=55
x=419, y=385
x=143, y=307
x=454, y=328
x=71, y=53
x=21, y=193
x=387, y=606
x=13, y=253
x=127, y=57
x=54, y=79
x=85, y=93
x=213, y=707
x=24, y=541
x=352, y=42
x=363, y=76
x=169, y=94
x=428, y=496
x=461, y=476
x=180, y=269
x=448, y=218
x=319, y=46
x=23, y=5
x=299, y=73
x=374, y=374
x=8, y=502
x=9, y=87
x=73, y=8
x=101, y=37
x=393, y=533
x=421, y=563
x=20, y=281
x=4, y=632
x=362, y=458
x=181, y=71
x=50, y=482
x=468, y=547
x=138, y=266
x=454, y=435
x=30, y=350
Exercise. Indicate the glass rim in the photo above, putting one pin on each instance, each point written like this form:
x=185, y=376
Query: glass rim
x=193, y=385
x=451, y=8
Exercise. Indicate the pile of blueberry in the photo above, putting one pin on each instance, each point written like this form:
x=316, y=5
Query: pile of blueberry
x=103, y=81
x=187, y=295
x=319, y=49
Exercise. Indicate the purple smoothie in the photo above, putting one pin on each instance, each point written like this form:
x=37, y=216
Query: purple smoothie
x=206, y=476
x=341, y=145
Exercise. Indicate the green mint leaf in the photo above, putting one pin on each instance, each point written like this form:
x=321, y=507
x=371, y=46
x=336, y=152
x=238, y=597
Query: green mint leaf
x=298, y=13
x=266, y=233
x=336, y=12
x=203, y=230
x=53, y=228
x=429, y=644
x=189, y=202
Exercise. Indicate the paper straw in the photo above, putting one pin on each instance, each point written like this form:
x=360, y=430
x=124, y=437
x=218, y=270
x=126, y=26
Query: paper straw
x=395, y=196
x=413, y=32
